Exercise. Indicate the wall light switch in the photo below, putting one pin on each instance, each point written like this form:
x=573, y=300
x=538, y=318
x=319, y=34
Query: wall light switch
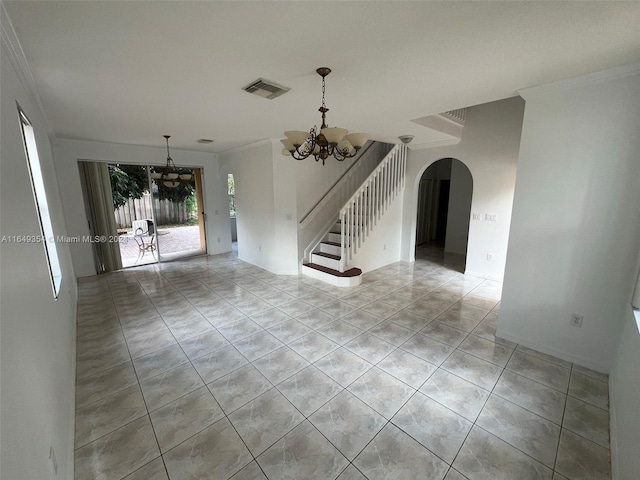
x=491, y=217
x=477, y=216
x=289, y=217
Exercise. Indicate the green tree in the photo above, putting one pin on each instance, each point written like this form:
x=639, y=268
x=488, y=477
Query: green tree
x=231, y=190
x=127, y=181
x=131, y=181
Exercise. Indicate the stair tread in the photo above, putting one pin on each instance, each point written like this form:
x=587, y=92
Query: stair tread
x=352, y=272
x=327, y=255
x=335, y=244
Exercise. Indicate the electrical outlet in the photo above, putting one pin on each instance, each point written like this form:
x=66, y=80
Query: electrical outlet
x=489, y=257
x=491, y=217
x=259, y=248
x=576, y=320
x=384, y=247
x=218, y=239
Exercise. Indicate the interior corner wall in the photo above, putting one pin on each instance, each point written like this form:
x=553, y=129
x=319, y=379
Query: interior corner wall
x=575, y=229
x=68, y=153
x=285, y=254
x=37, y=333
x=489, y=148
x=252, y=169
x=459, y=215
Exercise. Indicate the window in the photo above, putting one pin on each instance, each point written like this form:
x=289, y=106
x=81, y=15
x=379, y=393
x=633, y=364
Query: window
x=42, y=207
x=231, y=190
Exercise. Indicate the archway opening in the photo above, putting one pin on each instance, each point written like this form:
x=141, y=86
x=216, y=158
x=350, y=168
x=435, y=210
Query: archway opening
x=444, y=213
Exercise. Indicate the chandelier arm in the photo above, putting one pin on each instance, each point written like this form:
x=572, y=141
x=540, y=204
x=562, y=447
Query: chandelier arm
x=340, y=155
x=298, y=155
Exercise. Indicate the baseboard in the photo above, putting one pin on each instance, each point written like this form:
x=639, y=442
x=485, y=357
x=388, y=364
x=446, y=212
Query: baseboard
x=613, y=434
x=584, y=362
x=483, y=275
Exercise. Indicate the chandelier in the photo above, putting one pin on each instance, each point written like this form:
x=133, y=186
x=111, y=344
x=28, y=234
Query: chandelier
x=170, y=176
x=328, y=142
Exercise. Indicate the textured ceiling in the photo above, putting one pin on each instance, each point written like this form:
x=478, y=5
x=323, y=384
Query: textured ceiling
x=129, y=72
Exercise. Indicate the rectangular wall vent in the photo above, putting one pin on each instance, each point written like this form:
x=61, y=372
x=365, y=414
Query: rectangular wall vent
x=266, y=89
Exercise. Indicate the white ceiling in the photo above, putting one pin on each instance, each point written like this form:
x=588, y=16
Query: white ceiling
x=129, y=72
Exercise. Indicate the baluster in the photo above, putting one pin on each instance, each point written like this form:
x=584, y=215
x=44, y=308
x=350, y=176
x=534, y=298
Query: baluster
x=342, y=251
x=360, y=219
x=404, y=164
x=386, y=185
x=369, y=217
x=378, y=193
x=355, y=226
x=391, y=178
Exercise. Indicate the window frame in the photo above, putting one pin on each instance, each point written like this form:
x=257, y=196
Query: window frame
x=47, y=237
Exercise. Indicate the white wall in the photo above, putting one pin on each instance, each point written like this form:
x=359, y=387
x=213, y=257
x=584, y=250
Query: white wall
x=314, y=179
x=459, y=215
x=286, y=253
x=37, y=334
x=576, y=224
x=624, y=401
x=489, y=148
x=67, y=153
x=252, y=169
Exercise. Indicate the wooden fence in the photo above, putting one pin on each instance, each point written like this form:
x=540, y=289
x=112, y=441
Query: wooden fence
x=166, y=212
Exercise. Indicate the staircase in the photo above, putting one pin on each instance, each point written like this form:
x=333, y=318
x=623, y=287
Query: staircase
x=329, y=258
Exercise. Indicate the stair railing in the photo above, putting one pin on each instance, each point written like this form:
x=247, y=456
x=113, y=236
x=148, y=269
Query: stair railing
x=366, y=159
x=367, y=205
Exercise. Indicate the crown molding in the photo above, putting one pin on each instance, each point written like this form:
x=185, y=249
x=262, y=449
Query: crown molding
x=21, y=65
x=249, y=146
x=434, y=144
x=581, y=80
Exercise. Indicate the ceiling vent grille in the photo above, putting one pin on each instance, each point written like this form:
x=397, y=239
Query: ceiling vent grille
x=458, y=116
x=266, y=89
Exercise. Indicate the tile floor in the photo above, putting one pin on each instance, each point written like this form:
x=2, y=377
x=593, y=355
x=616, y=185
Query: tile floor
x=212, y=368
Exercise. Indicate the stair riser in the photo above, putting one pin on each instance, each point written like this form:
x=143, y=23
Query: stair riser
x=325, y=262
x=332, y=280
x=334, y=237
x=332, y=249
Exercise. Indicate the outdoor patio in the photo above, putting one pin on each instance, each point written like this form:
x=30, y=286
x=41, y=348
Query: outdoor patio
x=169, y=239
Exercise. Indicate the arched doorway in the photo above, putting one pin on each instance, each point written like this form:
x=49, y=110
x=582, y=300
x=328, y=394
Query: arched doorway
x=444, y=211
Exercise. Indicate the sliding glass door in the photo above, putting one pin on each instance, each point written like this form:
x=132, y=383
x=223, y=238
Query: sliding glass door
x=153, y=222
x=179, y=218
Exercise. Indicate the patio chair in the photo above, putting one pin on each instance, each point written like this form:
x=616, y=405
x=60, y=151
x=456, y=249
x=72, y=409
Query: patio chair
x=149, y=246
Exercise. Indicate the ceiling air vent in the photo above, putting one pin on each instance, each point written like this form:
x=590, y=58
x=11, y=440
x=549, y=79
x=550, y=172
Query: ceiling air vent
x=266, y=89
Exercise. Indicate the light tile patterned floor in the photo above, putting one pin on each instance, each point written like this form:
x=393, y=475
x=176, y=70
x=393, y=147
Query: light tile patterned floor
x=214, y=368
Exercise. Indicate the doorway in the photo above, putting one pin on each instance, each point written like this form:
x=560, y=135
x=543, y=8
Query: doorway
x=151, y=222
x=444, y=210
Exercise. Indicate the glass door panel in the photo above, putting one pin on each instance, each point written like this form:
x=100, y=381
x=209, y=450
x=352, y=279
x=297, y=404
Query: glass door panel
x=179, y=218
